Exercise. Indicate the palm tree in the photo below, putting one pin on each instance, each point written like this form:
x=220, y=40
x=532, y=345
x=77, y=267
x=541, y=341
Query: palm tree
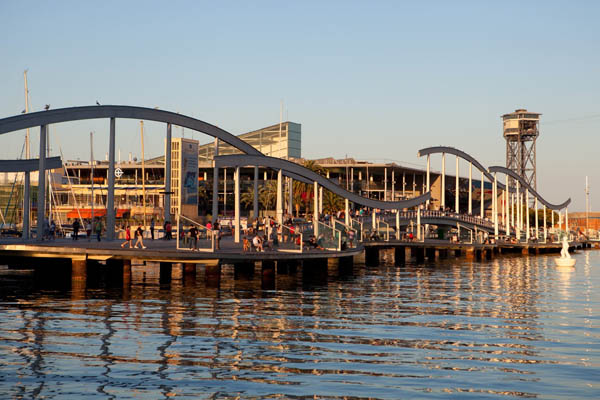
x=303, y=193
x=267, y=195
x=332, y=202
x=247, y=197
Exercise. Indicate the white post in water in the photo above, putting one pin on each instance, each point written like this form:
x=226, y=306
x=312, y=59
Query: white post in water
x=237, y=204
x=41, y=197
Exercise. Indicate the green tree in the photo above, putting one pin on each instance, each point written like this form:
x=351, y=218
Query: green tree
x=332, y=202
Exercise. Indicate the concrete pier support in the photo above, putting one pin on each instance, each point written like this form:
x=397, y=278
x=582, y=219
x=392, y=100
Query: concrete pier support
x=457, y=253
x=371, y=256
x=176, y=272
x=166, y=269
x=419, y=253
x=189, y=272
x=26, y=206
x=126, y=273
x=78, y=274
x=212, y=274
x=400, y=255
x=430, y=253
x=470, y=253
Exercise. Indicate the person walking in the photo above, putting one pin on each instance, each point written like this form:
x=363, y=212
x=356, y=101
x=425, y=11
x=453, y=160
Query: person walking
x=194, y=237
x=139, y=233
x=127, y=237
x=152, y=228
x=217, y=235
x=99, y=228
x=88, y=230
x=168, y=230
x=76, y=227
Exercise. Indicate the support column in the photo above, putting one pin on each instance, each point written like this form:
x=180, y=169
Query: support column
x=320, y=200
x=291, y=196
x=110, y=202
x=428, y=179
x=481, y=211
x=215, y=204
x=255, y=203
x=495, y=205
x=470, y=210
x=168, y=189
x=316, y=209
x=456, y=197
x=237, y=205
x=397, y=224
x=419, y=222
x=404, y=184
x=374, y=219
x=26, y=205
x=545, y=229
x=126, y=273
x=506, y=205
x=279, y=206
x=385, y=184
x=41, y=197
x=527, y=235
x=347, y=212
x=537, y=235
x=393, y=184
x=518, y=212
x=443, y=200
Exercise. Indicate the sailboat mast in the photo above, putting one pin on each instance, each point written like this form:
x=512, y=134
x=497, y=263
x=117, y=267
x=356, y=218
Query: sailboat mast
x=143, y=173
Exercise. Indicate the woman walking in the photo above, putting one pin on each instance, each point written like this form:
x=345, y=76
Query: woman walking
x=127, y=237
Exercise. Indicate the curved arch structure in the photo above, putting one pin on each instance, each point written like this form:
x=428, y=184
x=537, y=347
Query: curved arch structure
x=514, y=175
x=24, y=121
x=241, y=160
x=459, y=153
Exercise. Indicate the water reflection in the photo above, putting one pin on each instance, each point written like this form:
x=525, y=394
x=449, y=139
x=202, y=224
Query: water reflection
x=512, y=326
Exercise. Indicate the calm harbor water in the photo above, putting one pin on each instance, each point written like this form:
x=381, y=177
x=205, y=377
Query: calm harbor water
x=506, y=328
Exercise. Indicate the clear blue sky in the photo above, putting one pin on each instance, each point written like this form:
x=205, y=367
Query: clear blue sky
x=373, y=80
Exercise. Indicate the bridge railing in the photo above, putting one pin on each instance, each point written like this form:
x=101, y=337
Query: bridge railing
x=289, y=237
x=349, y=235
x=357, y=225
x=329, y=238
x=204, y=240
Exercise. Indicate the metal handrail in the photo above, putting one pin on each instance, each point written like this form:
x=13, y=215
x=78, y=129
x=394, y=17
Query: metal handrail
x=209, y=232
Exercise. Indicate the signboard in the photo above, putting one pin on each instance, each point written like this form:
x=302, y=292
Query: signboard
x=189, y=173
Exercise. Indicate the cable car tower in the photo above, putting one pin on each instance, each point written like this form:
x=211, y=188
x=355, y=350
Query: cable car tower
x=521, y=132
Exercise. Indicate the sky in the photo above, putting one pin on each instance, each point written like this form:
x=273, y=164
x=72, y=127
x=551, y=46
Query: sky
x=376, y=81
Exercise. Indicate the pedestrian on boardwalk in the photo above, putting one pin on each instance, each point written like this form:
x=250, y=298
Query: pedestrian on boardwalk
x=194, y=237
x=139, y=233
x=76, y=227
x=152, y=228
x=52, y=230
x=217, y=235
x=127, y=237
x=88, y=230
x=168, y=230
x=99, y=228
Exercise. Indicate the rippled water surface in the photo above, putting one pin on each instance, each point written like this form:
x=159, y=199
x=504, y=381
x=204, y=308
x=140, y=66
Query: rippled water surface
x=510, y=327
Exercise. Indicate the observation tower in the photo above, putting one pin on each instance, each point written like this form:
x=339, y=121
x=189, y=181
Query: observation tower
x=521, y=129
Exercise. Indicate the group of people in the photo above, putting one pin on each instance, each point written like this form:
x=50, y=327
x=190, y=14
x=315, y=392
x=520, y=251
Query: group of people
x=139, y=234
x=96, y=226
